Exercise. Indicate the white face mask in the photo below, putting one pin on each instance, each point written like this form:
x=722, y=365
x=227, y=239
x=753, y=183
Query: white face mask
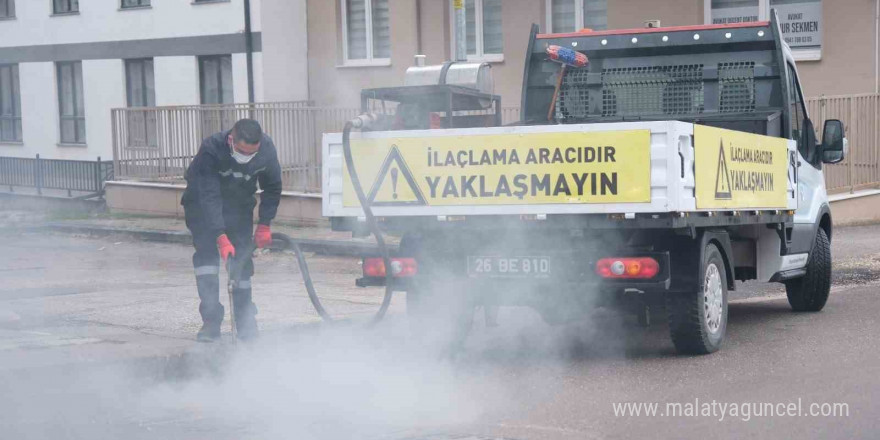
x=242, y=158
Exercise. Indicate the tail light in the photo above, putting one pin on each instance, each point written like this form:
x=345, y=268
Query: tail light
x=400, y=267
x=628, y=268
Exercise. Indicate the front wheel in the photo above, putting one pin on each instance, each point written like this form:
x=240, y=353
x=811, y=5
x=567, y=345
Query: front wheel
x=698, y=320
x=810, y=292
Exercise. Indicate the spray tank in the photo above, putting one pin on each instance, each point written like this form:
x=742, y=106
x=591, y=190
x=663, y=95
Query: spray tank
x=477, y=76
x=454, y=94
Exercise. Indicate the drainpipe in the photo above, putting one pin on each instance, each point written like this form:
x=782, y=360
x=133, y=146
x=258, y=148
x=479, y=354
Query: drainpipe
x=249, y=49
x=419, y=26
x=877, y=46
x=460, y=31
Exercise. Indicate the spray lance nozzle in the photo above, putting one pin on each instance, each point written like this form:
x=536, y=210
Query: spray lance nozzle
x=365, y=120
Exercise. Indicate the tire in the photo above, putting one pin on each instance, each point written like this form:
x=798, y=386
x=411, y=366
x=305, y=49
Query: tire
x=810, y=292
x=698, y=320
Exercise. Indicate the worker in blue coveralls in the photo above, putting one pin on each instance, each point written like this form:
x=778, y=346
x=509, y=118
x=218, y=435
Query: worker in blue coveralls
x=218, y=203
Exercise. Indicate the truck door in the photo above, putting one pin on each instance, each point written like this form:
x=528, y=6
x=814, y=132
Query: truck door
x=811, y=182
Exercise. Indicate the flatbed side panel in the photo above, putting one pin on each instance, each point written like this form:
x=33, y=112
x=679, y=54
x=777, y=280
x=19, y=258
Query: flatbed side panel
x=669, y=191
x=743, y=171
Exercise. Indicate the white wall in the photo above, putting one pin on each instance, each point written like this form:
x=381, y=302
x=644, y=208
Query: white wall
x=285, y=50
x=259, y=75
x=39, y=109
x=239, y=77
x=103, y=89
x=102, y=20
x=176, y=83
x=176, y=80
x=280, y=75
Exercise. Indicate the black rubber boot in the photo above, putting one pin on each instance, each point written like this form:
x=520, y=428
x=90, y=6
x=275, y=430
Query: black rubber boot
x=208, y=333
x=245, y=314
x=210, y=308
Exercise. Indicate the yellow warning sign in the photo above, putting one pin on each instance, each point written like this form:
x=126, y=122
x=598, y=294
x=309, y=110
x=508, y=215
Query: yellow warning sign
x=505, y=169
x=739, y=170
x=395, y=185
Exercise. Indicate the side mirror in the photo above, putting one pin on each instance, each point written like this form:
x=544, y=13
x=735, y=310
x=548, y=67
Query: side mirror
x=834, y=143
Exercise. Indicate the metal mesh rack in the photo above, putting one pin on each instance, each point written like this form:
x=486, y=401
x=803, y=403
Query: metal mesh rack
x=676, y=90
x=655, y=90
x=574, y=96
x=737, y=84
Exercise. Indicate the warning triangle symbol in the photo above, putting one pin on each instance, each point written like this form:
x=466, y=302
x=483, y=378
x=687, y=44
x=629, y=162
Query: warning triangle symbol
x=395, y=185
x=722, y=177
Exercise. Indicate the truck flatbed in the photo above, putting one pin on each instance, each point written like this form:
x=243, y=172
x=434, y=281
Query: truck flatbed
x=661, y=173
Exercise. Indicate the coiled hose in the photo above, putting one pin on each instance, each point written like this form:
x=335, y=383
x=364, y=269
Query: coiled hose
x=290, y=243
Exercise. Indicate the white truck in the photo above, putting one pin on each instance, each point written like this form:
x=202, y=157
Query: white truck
x=675, y=162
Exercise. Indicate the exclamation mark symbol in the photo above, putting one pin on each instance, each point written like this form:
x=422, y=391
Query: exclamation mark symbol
x=394, y=182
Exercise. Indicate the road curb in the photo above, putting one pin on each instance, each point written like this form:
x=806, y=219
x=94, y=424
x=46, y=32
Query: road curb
x=323, y=247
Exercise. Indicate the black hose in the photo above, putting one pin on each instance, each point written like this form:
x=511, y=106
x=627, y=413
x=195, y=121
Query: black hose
x=304, y=270
x=371, y=223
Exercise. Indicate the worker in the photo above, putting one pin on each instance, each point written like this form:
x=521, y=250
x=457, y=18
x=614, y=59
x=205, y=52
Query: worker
x=219, y=206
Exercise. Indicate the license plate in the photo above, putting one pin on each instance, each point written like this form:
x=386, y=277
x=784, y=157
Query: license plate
x=508, y=267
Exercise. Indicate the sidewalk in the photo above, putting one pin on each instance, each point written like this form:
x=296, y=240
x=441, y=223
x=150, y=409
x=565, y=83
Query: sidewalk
x=173, y=230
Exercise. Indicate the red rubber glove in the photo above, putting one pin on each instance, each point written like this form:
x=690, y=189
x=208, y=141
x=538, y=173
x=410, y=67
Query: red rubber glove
x=225, y=247
x=263, y=236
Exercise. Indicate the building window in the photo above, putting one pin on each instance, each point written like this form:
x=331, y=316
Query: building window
x=7, y=9
x=65, y=6
x=573, y=15
x=70, y=103
x=135, y=4
x=10, y=104
x=140, y=90
x=800, y=21
x=139, y=83
x=215, y=78
x=483, y=30
x=366, y=31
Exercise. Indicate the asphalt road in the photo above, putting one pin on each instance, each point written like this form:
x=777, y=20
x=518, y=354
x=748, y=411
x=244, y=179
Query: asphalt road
x=80, y=360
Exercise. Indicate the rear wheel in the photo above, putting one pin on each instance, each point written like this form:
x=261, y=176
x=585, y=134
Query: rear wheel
x=698, y=320
x=810, y=292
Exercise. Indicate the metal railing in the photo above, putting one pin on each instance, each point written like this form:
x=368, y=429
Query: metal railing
x=861, y=117
x=81, y=176
x=157, y=143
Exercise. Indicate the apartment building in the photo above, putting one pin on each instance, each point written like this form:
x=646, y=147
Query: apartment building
x=65, y=63
x=355, y=44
